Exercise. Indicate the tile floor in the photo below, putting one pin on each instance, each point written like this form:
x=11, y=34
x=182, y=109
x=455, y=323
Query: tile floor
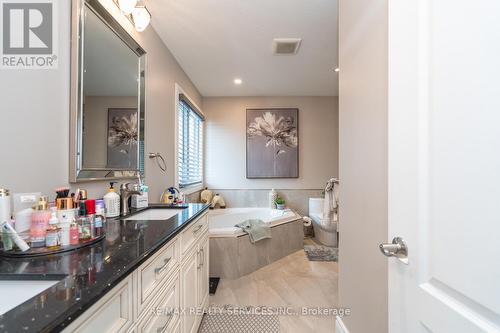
x=293, y=282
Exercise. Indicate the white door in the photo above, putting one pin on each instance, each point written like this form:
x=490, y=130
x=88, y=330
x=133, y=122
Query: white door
x=444, y=165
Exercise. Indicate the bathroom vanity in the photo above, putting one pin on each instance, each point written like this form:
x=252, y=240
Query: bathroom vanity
x=148, y=275
x=150, y=272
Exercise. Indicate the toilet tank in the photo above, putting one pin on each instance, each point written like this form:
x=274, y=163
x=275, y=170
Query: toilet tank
x=316, y=205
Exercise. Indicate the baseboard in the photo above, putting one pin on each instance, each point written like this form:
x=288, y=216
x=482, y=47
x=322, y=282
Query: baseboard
x=340, y=326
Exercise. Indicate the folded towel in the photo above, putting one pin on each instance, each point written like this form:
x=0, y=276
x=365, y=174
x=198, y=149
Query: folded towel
x=256, y=229
x=330, y=203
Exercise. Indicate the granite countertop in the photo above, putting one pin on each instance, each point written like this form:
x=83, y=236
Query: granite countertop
x=86, y=274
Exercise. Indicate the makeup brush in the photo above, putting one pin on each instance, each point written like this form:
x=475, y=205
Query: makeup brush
x=62, y=192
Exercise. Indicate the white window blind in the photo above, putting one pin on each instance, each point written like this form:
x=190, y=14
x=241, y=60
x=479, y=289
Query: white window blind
x=190, y=149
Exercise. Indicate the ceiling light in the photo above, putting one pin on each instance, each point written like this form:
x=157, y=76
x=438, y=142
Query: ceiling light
x=238, y=81
x=336, y=70
x=127, y=6
x=141, y=17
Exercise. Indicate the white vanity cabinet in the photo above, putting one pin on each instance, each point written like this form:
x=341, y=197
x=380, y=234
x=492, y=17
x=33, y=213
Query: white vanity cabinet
x=167, y=293
x=194, y=274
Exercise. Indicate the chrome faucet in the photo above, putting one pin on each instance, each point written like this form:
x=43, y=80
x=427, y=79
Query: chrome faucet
x=125, y=194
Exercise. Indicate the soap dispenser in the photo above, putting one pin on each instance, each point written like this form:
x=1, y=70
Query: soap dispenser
x=112, y=202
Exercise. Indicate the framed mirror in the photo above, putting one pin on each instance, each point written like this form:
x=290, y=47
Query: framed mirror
x=107, y=97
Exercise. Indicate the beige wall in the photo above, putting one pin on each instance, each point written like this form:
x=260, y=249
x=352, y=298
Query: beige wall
x=225, y=166
x=363, y=164
x=35, y=116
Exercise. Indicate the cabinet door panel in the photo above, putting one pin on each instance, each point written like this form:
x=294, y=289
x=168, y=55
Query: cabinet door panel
x=189, y=280
x=203, y=279
x=112, y=314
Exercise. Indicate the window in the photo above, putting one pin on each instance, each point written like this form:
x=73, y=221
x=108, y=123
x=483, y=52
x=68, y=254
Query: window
x=190, y=144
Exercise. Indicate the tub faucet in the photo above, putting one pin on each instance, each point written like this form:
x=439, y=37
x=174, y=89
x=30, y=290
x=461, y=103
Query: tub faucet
x=125, y=194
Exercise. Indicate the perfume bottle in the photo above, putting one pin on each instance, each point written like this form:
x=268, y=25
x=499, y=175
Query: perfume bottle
x=39, y=222
x=99, y=218
x=84, y=224
x=52, y=238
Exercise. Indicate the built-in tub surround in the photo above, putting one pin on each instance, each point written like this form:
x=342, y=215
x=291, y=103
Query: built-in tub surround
x=232, y=255
x=222, y=221
x=296, y=199
x=87, y=274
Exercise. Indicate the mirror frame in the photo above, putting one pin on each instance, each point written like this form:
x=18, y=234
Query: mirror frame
x=76, y=86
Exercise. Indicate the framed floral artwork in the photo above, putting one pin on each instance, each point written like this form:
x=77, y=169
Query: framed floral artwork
x=272, y=143
x=122, y=139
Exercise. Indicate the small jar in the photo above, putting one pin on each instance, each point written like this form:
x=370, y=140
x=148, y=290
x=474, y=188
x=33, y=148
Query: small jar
x=52, y=240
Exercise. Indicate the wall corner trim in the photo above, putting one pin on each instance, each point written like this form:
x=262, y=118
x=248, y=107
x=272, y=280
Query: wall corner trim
x=340, y=326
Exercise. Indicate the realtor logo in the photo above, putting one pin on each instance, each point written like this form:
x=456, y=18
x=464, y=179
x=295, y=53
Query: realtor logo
x=28, y=34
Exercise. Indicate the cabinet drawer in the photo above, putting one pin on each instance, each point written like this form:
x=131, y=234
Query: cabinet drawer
x=113, y=313
x=151, y=274
x=164, y=314
x=193, y=232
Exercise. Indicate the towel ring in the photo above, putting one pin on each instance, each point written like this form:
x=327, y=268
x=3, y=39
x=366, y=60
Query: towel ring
x=159, y=158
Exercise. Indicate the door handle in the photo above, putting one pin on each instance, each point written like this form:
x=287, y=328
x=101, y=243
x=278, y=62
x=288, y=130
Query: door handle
x=202, y=256
x=160, y=269
x=198, y=228
x=397, y=248
x=164, y=327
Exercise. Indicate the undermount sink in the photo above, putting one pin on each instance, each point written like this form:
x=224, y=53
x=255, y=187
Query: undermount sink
x=154, y=214
x=16, y=292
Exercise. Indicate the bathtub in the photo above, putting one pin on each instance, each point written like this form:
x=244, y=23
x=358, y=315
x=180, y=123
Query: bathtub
x=221, y=222
x=232, y=255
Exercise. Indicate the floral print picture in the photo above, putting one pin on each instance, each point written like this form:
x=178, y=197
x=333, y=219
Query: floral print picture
x=122, y=139
x=272, y=143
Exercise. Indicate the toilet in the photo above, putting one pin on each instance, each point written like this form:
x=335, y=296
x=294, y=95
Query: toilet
x=325, y=231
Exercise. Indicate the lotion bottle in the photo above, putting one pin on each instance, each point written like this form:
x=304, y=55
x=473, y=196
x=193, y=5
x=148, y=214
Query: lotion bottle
x=112, y=202
x=273, y=195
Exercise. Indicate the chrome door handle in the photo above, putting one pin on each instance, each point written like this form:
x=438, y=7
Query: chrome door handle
x=160, y=269
x=164, y=327
x=202, y=257
x=396, y=249
x=195, y=231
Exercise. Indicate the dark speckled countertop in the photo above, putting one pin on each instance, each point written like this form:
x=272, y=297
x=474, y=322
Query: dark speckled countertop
x=87, y=274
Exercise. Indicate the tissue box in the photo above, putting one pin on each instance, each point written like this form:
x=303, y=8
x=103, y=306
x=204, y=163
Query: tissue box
x=140, y=201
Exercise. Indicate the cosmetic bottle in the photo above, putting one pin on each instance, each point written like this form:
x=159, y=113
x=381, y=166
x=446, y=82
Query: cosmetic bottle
x=99, y=218
x=90, y=207
x=84, y=224
x=112, y=202
x=39, y=222
x=66, y=215
x=13, y=235
x=52, y=240
x=74, y=233
x=5, y=216
x=5, y=209
x=6, y=240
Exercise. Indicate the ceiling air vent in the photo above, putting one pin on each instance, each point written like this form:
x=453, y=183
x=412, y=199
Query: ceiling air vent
x=286, y=45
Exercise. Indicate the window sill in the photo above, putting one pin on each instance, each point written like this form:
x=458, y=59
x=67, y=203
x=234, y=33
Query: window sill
x=191, y=189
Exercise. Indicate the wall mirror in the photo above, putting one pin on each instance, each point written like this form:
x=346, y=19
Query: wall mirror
x=107, y=99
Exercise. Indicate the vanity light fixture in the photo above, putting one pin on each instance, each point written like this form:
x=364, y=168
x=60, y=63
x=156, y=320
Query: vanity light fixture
x=336, y=70
x=127, y=6
x=238, y=81
x=136, y=12
x=141, y=17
